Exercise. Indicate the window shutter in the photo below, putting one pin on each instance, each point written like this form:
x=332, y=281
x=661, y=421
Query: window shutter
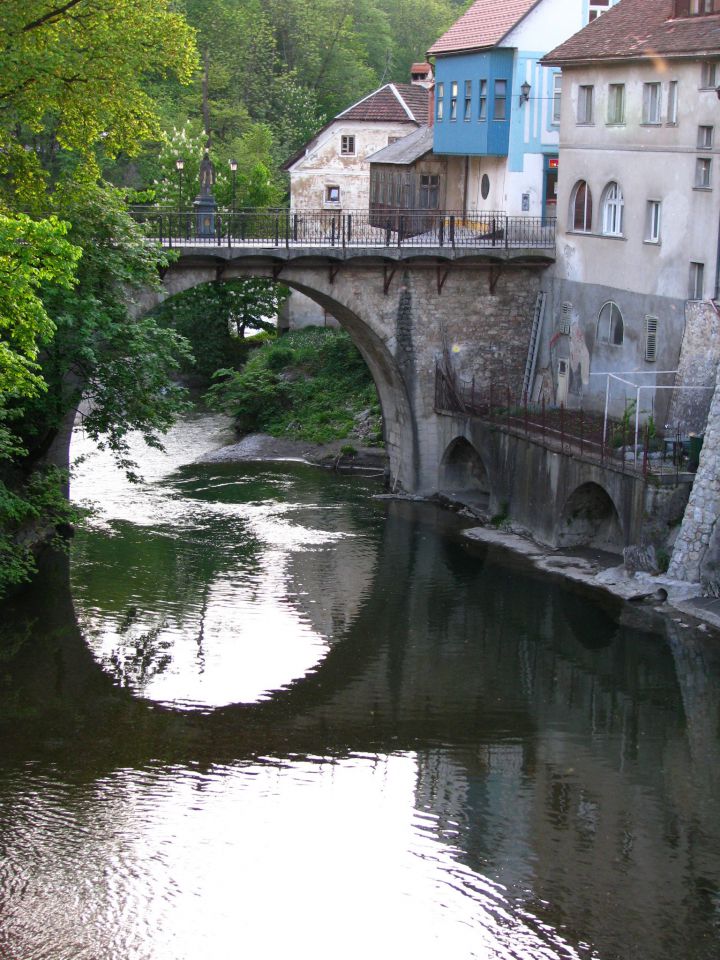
x=565, y=317
x=651, y=328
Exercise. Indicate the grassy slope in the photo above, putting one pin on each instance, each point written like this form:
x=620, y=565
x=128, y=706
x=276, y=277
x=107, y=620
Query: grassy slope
x=308, y=385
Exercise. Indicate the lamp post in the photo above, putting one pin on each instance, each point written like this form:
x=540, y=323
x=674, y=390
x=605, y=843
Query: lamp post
x=180, y=164
x=233, y=168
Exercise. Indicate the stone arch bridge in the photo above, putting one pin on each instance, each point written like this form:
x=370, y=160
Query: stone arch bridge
x=405, y=307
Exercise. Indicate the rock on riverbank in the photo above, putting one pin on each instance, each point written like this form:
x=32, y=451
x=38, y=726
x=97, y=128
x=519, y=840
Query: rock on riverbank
x=261, y=446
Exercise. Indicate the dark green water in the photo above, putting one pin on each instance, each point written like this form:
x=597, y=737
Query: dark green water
x=269, y=716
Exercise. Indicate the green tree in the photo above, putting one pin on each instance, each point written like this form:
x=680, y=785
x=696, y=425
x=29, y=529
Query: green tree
x=32, y=254
x=123, y=365
x=215, y=318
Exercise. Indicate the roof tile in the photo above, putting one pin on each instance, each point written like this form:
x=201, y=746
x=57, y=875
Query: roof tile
x=483, y=25
x=639, y=28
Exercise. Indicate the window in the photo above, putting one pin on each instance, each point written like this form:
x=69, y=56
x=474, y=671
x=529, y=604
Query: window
x=672, y=102
x=347, y=146
x=695, y=8
x=485, y=186
x=697, y=280
x=708, y=76
x=556, y=96
x=581, y=207
x=440, y=101
x=482, y=115
x=596, y=7
x=453, y=100
x=616, y=103
x=468, y=100
x=652, y=222
x=332, y=194
x=705, y=138
x=610, y=327
x=500, y=102
x=612, y=210
x=651, y=103
x=429, y=191
x=585, y=104
x=651, y=330
x=702, y=172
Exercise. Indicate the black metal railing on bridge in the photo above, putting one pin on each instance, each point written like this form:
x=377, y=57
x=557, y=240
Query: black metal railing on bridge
x=357, y=228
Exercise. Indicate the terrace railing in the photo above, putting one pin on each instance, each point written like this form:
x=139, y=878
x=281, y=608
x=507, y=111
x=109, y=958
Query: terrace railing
x=580, y=433
x=347, y=229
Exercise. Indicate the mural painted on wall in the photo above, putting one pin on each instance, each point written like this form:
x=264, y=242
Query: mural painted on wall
x=579, y=359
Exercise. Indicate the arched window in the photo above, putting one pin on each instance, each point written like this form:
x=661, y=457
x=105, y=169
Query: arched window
x=610, y=327
x=612, y=210
x=581, y=207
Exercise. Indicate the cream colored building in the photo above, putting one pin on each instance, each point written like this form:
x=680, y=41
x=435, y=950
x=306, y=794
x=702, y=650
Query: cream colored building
x=331, y=172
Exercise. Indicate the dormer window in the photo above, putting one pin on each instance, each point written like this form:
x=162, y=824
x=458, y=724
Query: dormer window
x=695, y=8
x=347, y=146
x=596, y=7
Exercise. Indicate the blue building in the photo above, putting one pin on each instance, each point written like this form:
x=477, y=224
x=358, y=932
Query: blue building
x=497, y=109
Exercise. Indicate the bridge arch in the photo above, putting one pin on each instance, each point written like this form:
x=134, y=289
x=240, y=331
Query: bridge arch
x=317, y=283
x=463, y=472
x=590, y=518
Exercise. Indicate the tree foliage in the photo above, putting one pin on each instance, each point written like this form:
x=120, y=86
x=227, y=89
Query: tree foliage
x=32, y=254
x=71, y=83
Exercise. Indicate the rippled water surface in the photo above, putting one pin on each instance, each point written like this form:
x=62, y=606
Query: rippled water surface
x=268, y=715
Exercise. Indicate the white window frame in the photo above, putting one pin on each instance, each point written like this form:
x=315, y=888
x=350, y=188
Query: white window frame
x=653, y=220
x=703, y=173
x=697, y=280
x=672, y=103
x=609, y=322
x=596, y=8
x=708, y=75
x=705, y=137
x=453, y=99
x=329, y=188
x=347, y=145
x=613, y=204
x=439, y=102
x=652, y=103
x=651, y=338
x=585, y=103
x=467, y=110
x=556, y=97
x=616, y=104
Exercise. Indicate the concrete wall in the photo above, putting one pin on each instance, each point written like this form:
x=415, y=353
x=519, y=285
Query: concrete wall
x=561, y=500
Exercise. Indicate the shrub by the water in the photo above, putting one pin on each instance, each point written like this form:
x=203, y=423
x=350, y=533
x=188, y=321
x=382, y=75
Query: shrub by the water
x=311, y=385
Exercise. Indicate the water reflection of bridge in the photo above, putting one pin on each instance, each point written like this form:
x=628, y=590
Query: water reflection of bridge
x=551, y=747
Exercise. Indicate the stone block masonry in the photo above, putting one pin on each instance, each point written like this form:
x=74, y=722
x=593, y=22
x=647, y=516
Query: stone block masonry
x=696, y=555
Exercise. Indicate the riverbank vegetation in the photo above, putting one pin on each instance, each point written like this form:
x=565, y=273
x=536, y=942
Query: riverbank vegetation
x=310, y=384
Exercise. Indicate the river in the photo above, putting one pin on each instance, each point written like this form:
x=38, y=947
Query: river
x=267, y=714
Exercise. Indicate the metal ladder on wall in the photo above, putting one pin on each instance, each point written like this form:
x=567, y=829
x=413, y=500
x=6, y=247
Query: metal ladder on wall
x=534, y=344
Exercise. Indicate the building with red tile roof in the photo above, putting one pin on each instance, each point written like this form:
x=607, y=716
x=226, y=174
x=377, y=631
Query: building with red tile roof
x=638, y=213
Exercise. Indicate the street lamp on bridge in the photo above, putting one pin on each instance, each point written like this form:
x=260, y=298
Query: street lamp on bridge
x=233, y=168
x=180, y=164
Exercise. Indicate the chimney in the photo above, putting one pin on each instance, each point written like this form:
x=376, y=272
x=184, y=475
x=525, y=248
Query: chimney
x=421, y=74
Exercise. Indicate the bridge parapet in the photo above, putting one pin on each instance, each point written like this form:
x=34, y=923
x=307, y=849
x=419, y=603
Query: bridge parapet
x=358, y=232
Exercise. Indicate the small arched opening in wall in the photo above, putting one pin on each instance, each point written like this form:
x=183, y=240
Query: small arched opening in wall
x=590, y=519
x=463, y=473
